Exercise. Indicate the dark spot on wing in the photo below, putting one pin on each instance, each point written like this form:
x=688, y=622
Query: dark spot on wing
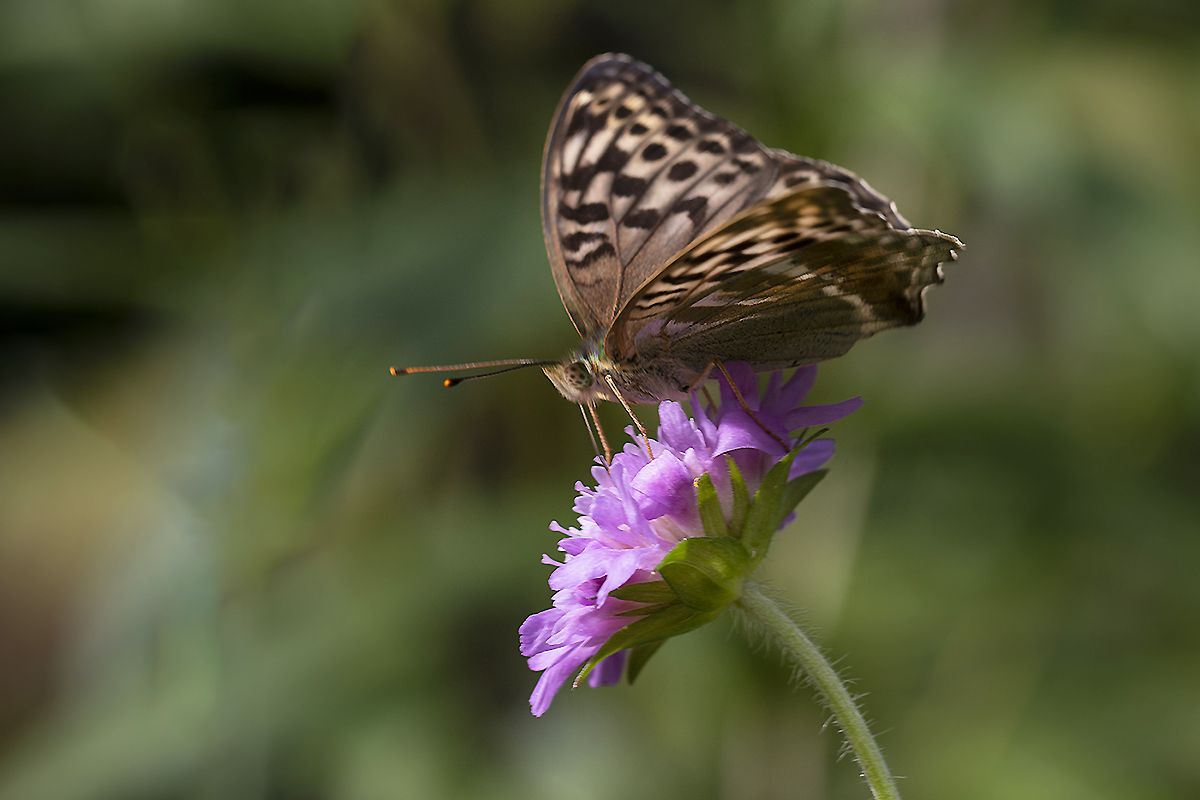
x=735, y=259
x=628, y=186
x=649, y=303
x=580, y=238
x=613, y=160
x=785, y=237
x=710, y=146
x=682, y=170
x=694, y=207
x=578, y=120
x=623, y=112
x=744, y=144
x=798, y=244
x=797, y=179
x=603, y=251
x=591, y=212
x=642, y=218
x=654, y=151
x=749, y=167
x=658, y=111
x=637, y=129
x=723, y=178
x=579, y=179
x=679, y=133
x=680, y=278
x=597, y=122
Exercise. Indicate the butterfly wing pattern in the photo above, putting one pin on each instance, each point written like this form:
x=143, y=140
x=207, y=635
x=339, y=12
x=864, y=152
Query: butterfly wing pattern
x=677, y=240
x=633, y=173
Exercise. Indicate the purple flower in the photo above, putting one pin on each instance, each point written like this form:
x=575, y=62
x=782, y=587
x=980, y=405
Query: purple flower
x=641, y=508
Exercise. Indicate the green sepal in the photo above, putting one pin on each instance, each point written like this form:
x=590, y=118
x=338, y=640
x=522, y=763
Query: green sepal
x=776, y=498
x=671, y=621
x=797, y=490
x=711, y=515
x=638, y=656
x=648, y=592
x=741, y=498
x=706, y=573
x=764, y=517
x=642, y=611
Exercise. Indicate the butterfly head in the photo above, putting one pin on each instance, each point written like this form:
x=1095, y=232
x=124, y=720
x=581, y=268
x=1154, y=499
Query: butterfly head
x=576, y=379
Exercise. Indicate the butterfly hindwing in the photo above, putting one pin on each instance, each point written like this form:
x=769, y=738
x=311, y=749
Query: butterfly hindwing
x=633, y=173
x=794, y=280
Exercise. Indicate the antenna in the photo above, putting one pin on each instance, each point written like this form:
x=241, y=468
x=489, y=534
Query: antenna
x=509, y=365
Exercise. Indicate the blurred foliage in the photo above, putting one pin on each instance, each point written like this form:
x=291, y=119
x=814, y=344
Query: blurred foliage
x=239, y=560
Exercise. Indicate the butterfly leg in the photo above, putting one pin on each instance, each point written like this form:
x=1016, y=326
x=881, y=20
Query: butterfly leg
x=702, y=384
x=599, y=429
x=742, y=402
x=617, y=392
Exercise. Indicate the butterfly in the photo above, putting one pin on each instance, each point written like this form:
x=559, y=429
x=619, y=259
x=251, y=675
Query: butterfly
x=678, y=242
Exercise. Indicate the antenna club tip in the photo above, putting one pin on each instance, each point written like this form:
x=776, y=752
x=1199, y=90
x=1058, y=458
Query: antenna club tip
x=451, y=382
x=394, y=370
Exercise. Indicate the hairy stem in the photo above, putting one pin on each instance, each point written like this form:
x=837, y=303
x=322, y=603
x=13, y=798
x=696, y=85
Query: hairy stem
x=789, y=636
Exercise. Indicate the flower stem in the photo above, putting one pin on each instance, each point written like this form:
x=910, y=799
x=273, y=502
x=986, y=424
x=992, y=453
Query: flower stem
x=845, y=711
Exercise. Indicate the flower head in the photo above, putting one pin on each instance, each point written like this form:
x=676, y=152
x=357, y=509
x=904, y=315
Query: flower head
x=630, y=550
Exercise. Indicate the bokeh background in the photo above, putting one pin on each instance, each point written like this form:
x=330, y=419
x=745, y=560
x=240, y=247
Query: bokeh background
x=240, y=560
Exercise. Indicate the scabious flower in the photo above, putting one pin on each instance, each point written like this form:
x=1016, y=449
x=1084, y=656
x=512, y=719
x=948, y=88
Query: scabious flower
x=629, y=579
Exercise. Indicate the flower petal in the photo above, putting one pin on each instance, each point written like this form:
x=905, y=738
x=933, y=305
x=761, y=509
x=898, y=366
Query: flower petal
x=675, y=430
x=608, y=672
x=738, y=431
x=812, y=457
x=664, y=486
x=746, y=381
x=808, y=416
x=795, y=390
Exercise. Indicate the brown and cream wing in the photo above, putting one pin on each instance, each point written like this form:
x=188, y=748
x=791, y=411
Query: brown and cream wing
x=634, y=173
x=796, y=279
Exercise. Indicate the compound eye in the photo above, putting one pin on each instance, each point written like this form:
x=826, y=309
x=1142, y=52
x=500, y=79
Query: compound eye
x=578, y=375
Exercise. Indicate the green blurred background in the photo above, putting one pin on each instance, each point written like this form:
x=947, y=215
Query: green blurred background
x=239, y=560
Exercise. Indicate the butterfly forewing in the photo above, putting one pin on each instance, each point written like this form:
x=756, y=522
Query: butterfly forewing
x=633, y=173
